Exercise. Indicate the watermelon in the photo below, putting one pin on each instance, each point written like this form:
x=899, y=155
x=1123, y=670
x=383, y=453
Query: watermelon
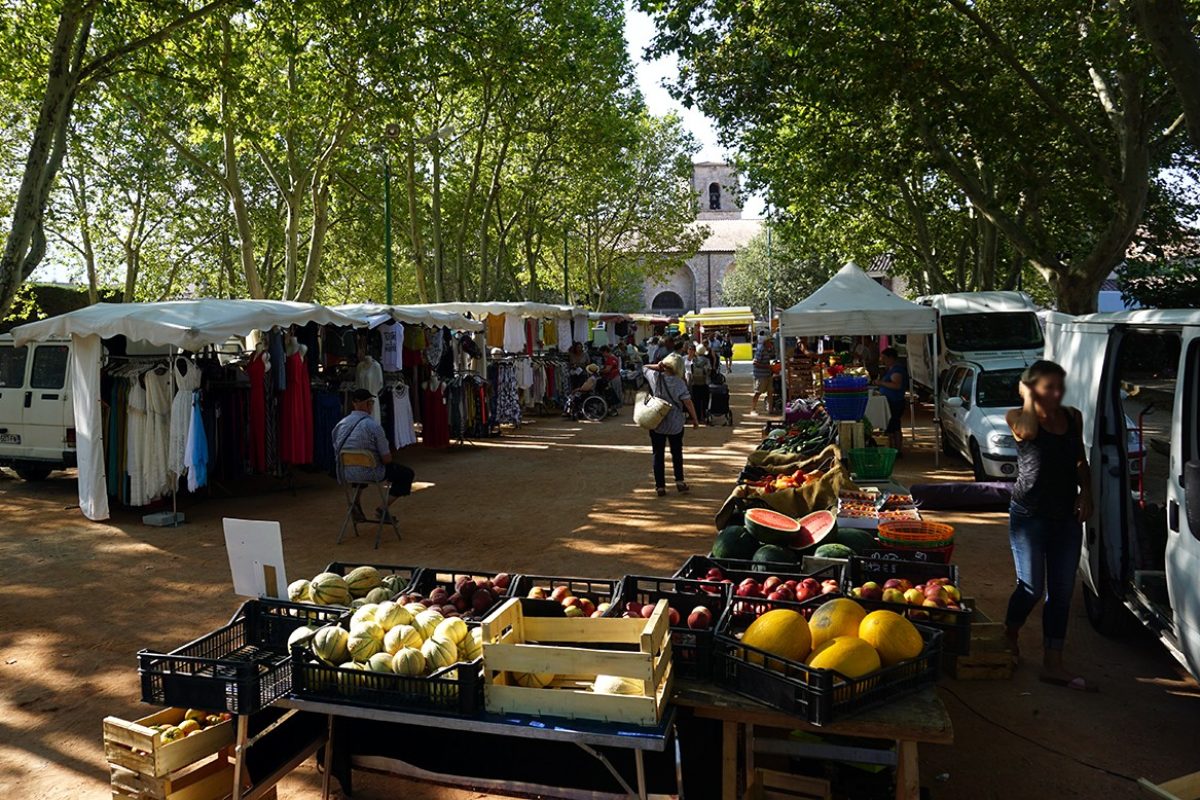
x=833, y=550
x=734, y=542
x=859, y=541
x=771, y=527
x=815, y=528
x=772, y=554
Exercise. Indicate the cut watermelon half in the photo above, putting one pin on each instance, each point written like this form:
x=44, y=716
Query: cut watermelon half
x=814, y=529
x=771, y=527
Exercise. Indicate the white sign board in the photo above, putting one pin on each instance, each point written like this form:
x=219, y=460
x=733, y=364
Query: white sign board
x=255, y=549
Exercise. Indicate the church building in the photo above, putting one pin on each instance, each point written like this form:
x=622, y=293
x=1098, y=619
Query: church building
x=698, y=284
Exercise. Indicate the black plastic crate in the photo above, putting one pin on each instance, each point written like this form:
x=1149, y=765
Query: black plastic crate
x=819, y=696
x=456, y=690
x=927, y=555
x=955, y=624
x=241, y=667
x=429, y=578
x=691, y=648
x=697, y=567
x=596, y=590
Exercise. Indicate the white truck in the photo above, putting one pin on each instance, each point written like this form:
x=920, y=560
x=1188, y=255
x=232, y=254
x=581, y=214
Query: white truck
x=1141, y=551
x=978, y=327
x=37, y=422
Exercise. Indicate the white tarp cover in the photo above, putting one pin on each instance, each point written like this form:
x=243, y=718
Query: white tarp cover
x=523, y=308
x=374, y=314
x=851, y=304
x=186, y=324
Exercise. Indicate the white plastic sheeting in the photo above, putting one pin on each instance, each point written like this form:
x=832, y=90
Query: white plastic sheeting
x=521, y=309
x=374, y=314
x=89, y=438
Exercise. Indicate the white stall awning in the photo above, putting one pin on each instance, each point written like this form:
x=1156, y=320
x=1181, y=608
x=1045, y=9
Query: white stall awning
x=852, y=304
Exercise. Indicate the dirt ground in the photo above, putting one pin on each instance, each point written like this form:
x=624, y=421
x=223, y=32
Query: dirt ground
x=80, y=598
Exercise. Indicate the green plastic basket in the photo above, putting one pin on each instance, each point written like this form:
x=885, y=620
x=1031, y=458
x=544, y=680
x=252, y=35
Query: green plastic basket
x=872, y=463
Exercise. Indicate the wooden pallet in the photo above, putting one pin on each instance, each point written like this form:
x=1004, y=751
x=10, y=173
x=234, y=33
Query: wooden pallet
x=137, y=747
x=769, y=784
x=990, y=658
x=575, y=651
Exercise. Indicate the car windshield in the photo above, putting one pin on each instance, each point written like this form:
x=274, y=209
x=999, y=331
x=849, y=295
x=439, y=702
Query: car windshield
x=1015, y=330
x=998, y=389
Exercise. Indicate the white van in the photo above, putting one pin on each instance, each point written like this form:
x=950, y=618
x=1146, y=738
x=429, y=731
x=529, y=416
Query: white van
x=977, y=327
x=1141, y=550
x=37, y=422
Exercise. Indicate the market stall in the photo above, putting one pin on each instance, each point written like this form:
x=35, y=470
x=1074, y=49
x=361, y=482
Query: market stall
x=736, y=322
x=852, y=304
x=163, y=329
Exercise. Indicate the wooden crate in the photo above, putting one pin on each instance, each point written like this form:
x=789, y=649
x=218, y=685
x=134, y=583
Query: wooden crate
x=1186, y=787
x=850, y=435
x=990, y=657
x=135, y=746
x=212, y=780
x=769, y=784
x=575, y=650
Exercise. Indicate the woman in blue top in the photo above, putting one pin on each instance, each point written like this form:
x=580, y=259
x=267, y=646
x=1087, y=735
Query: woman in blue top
x=893, y=385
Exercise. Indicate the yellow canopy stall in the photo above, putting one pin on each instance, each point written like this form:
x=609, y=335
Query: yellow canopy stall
x=735, y=321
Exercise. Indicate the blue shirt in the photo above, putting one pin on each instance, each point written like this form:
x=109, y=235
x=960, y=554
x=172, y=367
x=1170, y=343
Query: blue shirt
x=894, y=395
x=358, y=430
x=762, y=360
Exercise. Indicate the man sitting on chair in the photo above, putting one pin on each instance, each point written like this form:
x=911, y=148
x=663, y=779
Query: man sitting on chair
x=358, y=430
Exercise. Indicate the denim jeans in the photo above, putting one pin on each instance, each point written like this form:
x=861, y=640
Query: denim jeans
x=658, y=442
x=1046, y=556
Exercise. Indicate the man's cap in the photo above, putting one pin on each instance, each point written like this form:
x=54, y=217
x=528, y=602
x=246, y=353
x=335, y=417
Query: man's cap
x=362, y=395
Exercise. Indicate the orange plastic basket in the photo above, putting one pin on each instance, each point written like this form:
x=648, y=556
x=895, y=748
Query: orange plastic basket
x=912, y=533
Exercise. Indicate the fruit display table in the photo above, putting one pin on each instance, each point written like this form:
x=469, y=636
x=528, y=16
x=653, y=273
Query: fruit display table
x=581, y=733
x=905, y=721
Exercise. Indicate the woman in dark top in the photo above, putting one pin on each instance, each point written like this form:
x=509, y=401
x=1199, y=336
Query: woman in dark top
x=1051, y=500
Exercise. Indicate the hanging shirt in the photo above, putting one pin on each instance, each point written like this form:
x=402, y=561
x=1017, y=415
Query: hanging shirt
x=494, y=328
x=549, y=333
x=181, y=415
x=196, y=454
x=514, y=334
x=564, y=334
x=392, y=357
x=369, y=376
x=402, y=417
x=579, y=328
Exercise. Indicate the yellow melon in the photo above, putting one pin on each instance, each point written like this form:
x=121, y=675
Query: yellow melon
x=839, y=617
x=893, y=637
x=848, y=655
x=782, y=633
x=534, y=680
x=401, y=636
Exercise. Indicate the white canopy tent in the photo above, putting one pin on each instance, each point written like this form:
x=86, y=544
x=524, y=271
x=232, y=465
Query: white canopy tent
x=852, y=304
x=182, y=324
x=520, y=308
x=374, y=314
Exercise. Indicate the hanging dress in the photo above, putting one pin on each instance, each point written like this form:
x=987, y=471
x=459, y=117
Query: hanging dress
x=135, y=443
x=181, y=416
x=369, y=375
x=157, y=434
x=257, y=372
x=196, y=450
x=296, y=429
x=402, y=417
x=436, y=429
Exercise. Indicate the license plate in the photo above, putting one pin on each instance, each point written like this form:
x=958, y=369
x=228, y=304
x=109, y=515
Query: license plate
x=10, y=438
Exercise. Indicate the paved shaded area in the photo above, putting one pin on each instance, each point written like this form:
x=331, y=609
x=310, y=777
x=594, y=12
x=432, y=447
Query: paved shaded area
x=81, y=598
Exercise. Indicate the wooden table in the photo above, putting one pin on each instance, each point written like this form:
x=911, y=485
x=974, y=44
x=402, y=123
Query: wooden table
x=906, y=721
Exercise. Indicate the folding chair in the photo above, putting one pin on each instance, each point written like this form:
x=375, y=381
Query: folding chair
x=354, y=491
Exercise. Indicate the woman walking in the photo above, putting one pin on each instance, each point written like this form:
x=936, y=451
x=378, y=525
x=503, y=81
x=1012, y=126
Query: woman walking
x=666, y=382
x=697, y=369
x=1051, y=500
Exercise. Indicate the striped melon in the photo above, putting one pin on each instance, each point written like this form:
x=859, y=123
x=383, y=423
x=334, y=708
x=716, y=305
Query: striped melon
x=390, y=614
x=472, y=646
x=346, y=683
x=329, y=590
x=299, y=635
x=362, y=580
x=439, y=653
x=329, y=644
x=426, y=622
x=368, y=627
x=298, y=592
x=364, y=613
x=395, y=584
x=378, y=595
x=380, y=662
x=452, y=628
x=362, y=645
x=401, y=636
x=408, y=661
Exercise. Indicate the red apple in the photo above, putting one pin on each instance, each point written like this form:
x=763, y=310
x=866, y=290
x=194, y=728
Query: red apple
x=673, y=617
x=700, y=618
x=569, y=601
x=812, y=584
x=501, y=581
x=892, y=583
x=647, y=611
x=770, y=583
x=560, y=593
x=633, y=607
x=872, y=591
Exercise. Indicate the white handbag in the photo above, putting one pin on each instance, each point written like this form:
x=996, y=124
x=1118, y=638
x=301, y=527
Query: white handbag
x=650, y=410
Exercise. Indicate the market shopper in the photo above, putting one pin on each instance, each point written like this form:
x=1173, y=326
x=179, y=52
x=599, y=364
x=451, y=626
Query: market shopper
x=666, y=382
x=764, y=355
x=1051, y=500
x=697, y=370
x=358, y=430
x=893, y=385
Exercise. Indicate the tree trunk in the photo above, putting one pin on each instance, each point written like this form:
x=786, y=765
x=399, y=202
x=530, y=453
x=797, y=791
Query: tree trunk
x=1076, y=293
x=439, y=273
x=291, y=244
x=25, y=244
x=316, y=241
x=414, y=221
x=1166, y=25
x=232, y=177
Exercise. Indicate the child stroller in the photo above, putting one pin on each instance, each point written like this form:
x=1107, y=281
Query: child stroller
x=718, y=399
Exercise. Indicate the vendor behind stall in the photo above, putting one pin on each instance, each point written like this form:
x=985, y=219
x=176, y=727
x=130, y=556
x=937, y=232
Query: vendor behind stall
x=893, y=385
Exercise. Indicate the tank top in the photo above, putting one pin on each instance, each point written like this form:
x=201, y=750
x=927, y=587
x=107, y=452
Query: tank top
x=1047, y=480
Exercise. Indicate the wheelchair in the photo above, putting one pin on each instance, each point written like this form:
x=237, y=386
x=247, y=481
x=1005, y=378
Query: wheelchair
x=591, y=406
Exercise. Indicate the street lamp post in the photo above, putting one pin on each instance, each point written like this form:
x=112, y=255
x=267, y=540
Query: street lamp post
x=387, y=225
x=566, y=271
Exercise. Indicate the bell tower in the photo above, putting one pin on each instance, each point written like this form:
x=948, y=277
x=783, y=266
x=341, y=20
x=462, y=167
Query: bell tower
x=717, y=192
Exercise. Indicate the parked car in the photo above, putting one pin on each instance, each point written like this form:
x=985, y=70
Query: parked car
x=975, y=397
x=37, y=421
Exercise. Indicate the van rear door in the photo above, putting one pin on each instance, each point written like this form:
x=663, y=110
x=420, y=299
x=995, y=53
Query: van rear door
x=14, y=362
x=1183, y=518
x=46, y=404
